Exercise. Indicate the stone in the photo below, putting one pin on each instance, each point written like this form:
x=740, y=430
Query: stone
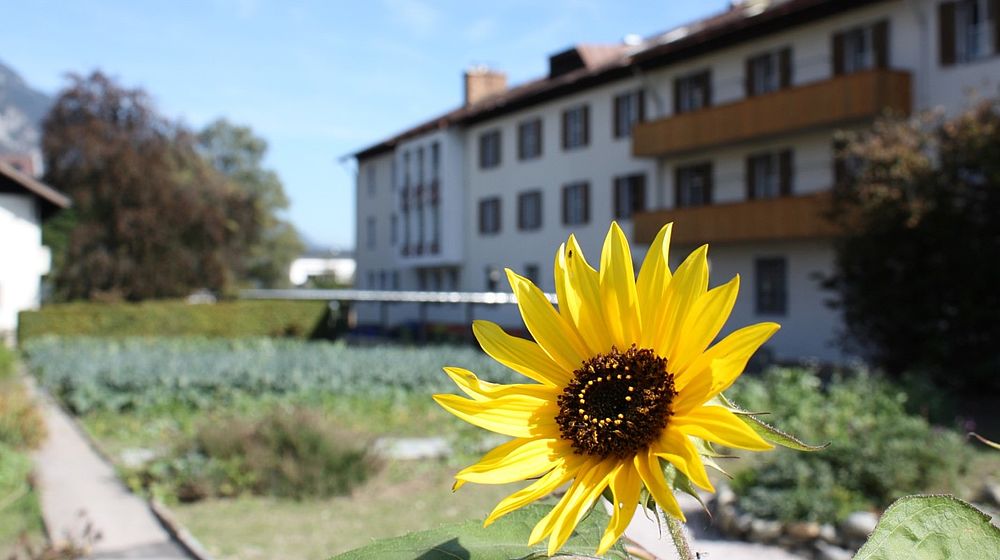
x=828, y=533
x=859, y=525
x=762, y=530
x=990, y=494
x=827, y=551
x=724, y=495
x=412, y=448
x=743, y=523
x=803, y=531
x=135, y=457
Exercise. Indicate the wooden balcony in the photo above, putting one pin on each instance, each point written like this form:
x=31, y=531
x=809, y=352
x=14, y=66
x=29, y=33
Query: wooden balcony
x=785, y=218
x=840, y=100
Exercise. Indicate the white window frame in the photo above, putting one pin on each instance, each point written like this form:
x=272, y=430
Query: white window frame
x=974, y=30
x=859, y=49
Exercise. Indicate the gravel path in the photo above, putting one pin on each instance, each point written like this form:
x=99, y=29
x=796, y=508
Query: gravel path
x=77, y=487
x=703, y=538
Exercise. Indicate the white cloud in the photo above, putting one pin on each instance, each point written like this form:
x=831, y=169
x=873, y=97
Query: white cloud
x=417, y=16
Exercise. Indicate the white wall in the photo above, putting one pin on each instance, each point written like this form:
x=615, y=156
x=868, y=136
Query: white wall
x=23, y=258
x=378, y=205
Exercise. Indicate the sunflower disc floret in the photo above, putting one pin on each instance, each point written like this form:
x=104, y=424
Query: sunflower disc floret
x=622, y=380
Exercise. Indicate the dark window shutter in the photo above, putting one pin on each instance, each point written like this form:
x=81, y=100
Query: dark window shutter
x=995, y=10
x=677, y=95
x=709, y=187
x=785, y=171
x=639, y=195
x=586, y=124
x=706, y=81
x=677, y=187
x=585, y=190
x=750, y=86
x=616, y=117
x=641, y=100
x=482, y=151
x=751, y=177
x=785, y=67
x=616, y=193
x=482, y=216
x=946, y=32
x=539, y=137
x=522, y=130
x=565, y=129
x=838, y=54
x=880, y=41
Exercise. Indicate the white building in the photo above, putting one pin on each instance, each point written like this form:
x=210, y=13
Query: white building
x=24, y=204
x=338, y=265
x=724, y=126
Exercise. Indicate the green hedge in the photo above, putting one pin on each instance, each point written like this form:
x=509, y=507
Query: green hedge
x=296, y=319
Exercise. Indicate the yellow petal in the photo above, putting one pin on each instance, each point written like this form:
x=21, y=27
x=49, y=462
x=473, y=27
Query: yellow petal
x=484, y=390
x=625, y=487
x=527, y=459
x=726, y=360
x=692, y=391
x=554, y=334
x=676, y=447
x=546, y=524
x=582, y=297
x=719, y=425
x=512, y=415
x=688, y=284
x=520, y=355
x=648, y=466
x=651, y=287
x=704, y=322
x=595, y=483
x=618, y=291
x=565, y=469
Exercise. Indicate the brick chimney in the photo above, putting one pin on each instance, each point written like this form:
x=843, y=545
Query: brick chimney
x=482, y=82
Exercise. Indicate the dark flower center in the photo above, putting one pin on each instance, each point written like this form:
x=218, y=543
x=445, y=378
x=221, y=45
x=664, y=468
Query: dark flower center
x=617, y=403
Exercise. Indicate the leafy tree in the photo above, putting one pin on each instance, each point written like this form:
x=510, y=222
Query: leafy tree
x=918, y=263
x=237, y=153
x=151, y=219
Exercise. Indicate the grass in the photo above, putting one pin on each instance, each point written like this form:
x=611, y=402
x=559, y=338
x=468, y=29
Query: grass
x=405, y=496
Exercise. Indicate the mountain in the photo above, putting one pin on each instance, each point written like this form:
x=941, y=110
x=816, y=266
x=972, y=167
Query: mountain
x=22, y=109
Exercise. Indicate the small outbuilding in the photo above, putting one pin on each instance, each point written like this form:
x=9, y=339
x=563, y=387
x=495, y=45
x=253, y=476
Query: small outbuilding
x=25, y=203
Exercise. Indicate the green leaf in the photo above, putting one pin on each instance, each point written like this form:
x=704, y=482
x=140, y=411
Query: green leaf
x=929, y=528
x=769, y=432
x=506, y=539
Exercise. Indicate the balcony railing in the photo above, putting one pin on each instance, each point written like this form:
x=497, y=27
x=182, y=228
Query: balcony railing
x=839, y=100
x=785, y=218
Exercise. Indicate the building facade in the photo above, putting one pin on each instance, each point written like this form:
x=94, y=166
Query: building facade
x=725, y=126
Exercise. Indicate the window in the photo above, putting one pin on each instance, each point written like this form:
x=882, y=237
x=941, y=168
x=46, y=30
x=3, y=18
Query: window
x=861, y=48
x=370, y=233
x=435, y=228
x=382, y=282
x=406, y=169
x=420, y=166
x=395, y=279
x=435, y=162
x=576, y=127
x=529, y=139
x=371, y=279
x=576, y=204
x=489, y=149
x=692, y=92
x=974, y=29
x=769, y=72
x=629, y=108
x=529, y=210
x=492, y=278
x=395, y=174
x=769, y=175
x=531, y=272
x=630, y=196
x=489, y=215
x=394, y=229
x=693, y=185
x=370, y=177
x=771, y=278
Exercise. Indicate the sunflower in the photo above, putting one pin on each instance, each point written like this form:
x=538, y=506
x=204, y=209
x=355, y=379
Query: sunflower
x=623, y=379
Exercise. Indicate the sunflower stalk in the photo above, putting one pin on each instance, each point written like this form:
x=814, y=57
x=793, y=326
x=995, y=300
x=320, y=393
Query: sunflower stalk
x=676, y=530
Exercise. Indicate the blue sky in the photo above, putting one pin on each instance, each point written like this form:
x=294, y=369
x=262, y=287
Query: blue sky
x=317, y=79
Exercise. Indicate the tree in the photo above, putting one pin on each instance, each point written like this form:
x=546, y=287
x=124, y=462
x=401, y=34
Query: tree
x=150, y=219
x=918, y=263
x=238, y=154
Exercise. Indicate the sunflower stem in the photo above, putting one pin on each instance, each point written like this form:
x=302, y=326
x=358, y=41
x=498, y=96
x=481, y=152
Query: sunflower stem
x=676, y=530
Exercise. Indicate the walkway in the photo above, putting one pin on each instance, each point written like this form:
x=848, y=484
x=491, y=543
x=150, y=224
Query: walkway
x=704, y=540
x=72, y=478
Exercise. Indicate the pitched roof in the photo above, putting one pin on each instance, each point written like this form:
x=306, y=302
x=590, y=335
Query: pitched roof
x=12, y=180
x=743, y=21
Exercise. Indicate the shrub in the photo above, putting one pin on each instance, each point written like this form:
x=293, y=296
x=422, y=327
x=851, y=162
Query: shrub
x=878, y=452
x=230, y=319
x=294, y=453
x=6, y=361
x=19, y=511
x=21, y=425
